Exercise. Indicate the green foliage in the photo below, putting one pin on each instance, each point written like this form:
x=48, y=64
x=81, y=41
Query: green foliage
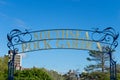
x=32, y=74
x=118, y=76
x=95, y=75
x=118, y=68
x=55, y=75
x=3, y=68
x=71, y=75
x=118, y=71
x=100, y=75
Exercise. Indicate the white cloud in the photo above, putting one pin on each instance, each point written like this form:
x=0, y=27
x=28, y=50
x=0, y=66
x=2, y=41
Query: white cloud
x=14, y=21
x=21, y=23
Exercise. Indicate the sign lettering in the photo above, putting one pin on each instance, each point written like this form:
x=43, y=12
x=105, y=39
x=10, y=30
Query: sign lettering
x=61, y=39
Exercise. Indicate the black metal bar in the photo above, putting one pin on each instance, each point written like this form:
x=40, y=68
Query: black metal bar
x=115, y=71
x=14, y=53
x=110, y=66
x=11, y=66
x=74, y=39
x=113, y=75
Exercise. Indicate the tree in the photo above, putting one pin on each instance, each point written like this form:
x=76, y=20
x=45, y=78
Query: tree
x=55, y=75
x=32, y=74
x=72, y=75
x=3, y=68
x=100, y=57
x=95, y=76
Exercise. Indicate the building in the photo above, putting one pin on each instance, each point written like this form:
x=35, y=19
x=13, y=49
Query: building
x=18, y=62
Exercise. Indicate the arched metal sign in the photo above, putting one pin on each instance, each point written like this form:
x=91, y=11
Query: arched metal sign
x=62, y=39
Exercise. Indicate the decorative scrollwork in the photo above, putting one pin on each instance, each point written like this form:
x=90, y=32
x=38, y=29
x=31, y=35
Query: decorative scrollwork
x=108, y=35
x=16, y=37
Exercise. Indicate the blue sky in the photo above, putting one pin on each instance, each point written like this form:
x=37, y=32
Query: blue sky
x=57, y=14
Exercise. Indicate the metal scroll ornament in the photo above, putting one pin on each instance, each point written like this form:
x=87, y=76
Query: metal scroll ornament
x=16, y=37
x=108, y=35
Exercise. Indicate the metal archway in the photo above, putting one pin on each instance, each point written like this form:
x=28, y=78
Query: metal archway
x=107, y=37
